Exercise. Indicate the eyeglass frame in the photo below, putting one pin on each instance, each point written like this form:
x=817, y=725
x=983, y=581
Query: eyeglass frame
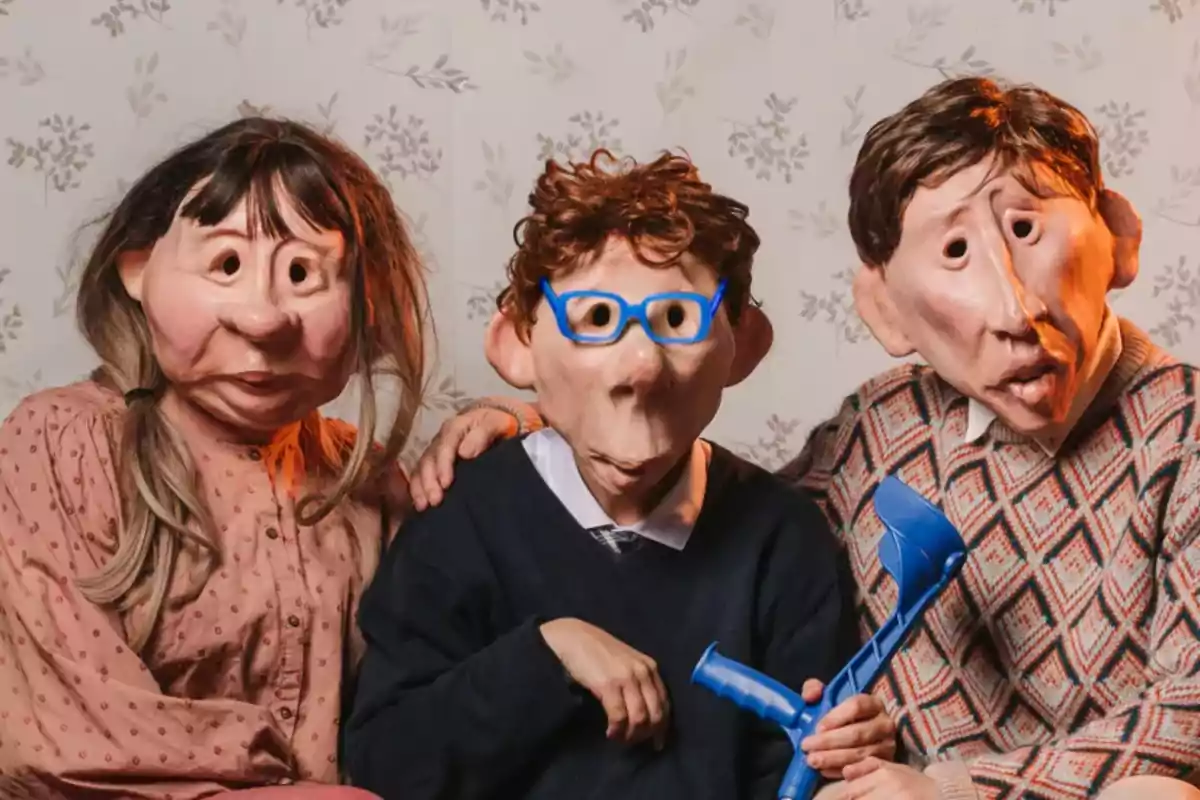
x=630, y=312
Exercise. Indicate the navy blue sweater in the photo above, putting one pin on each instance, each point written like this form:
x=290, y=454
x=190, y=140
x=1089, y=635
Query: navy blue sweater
x=460, y=697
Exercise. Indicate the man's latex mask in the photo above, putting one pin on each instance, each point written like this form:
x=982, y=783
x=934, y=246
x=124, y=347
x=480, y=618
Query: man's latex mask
x=1002, y=266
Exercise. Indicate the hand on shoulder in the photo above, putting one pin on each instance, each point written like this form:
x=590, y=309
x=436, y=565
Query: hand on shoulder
x=467, y=435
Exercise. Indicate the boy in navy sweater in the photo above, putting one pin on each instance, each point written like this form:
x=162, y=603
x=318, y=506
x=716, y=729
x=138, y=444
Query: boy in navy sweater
x=533, y=636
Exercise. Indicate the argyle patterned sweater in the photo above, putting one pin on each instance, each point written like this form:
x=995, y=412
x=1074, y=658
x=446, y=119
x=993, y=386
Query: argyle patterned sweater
x=1066, y=654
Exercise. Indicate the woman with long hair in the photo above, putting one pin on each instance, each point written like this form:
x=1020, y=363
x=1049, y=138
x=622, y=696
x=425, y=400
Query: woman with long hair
x=184, y=537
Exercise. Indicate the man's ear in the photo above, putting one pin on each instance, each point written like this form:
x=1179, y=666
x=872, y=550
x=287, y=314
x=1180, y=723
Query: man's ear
x=132, y=267
x=877, y=311
x=1126, y=225
x=508, y=353
x=752, y=336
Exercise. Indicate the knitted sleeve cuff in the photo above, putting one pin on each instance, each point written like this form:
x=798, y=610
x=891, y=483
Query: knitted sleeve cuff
x=527, y=416
x=953, y=780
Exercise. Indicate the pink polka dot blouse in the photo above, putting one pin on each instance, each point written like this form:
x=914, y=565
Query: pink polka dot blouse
x=240, y=686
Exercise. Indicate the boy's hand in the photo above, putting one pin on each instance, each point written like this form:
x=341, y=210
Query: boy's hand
x=625, y=681
x=465, y=435
x=858, y=729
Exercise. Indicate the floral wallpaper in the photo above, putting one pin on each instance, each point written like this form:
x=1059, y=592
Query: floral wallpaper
x=456, y=102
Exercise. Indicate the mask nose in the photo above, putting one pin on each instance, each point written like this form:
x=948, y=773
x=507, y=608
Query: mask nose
x=639, y=362
x=1011, y=311
x=262, y=322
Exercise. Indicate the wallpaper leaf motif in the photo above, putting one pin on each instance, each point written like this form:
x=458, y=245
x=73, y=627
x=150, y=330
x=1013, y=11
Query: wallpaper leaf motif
x=325, y=110
x=446, y=397
x=821, y=222
x=503, y=10
x=402, y=146
x=851, y=131
x=835, y=309
x=327, y=124
x=481, y=302
x=759, y=19
x=644, y=12
x=556, y=65
x=1176, y=206
x=393, y=32
x=320, y=13
x=60, y=152
x=777, y=447
x=26, y=69
x=496, y=182
x=68, y=281
x=674, y=88
x=850, y=10
x=422, y=74
x=767, y=145
x=586, y=132
x=1084, y=55
x=11, y=321
x=230, y=23
x=440, y=75
x=1173, y=9
x=1179, y=284
x=1031, y=6
x=13, y=388
x=1191, y=78
x=144, y=95
x=922, y=22
x=418, y=231
x=1122, y=135
x=122, y=11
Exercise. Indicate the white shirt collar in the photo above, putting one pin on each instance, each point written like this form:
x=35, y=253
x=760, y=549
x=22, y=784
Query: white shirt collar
x=671, y=521
x=1108, y=351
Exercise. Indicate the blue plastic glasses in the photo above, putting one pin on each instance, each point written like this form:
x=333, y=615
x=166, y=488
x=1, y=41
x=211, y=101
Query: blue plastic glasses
x=595, y=317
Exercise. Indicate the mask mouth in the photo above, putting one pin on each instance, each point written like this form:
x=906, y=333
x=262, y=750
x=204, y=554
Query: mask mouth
x=1031, y=382
x=260, y=381
x=630, y=469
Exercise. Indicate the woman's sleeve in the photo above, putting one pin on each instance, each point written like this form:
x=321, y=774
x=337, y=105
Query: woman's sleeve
x=80, y=713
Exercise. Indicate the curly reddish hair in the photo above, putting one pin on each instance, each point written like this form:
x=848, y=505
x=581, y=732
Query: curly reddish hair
x=662, y=209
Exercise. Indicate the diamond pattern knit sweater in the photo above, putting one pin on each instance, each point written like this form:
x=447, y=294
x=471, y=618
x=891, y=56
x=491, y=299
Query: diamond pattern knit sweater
x=1066, y=654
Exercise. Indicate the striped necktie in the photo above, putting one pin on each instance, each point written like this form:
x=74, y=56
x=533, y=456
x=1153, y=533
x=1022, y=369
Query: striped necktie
x=615, y=539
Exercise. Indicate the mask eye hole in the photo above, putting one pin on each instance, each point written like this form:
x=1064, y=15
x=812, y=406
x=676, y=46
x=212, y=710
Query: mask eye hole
x=297, y=272
x=955, y=249
x=676, y=315
x=230, y=264
x=593, y=316
x=1022, y=228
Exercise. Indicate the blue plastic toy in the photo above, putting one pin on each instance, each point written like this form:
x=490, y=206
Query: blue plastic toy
x=923, y=552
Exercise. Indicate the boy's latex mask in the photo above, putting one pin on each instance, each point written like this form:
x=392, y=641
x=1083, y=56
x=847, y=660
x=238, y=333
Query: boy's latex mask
x=629, y=362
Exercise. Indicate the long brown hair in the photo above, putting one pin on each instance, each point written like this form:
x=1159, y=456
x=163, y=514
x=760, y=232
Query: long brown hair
x=333, y=189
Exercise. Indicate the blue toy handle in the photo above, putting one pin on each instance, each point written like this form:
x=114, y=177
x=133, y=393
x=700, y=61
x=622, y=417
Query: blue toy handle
x=748, y=688
x=800, y=781
x=922, y=552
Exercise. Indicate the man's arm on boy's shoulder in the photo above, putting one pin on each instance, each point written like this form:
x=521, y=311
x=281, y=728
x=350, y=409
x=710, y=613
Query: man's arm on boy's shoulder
x=445, y=706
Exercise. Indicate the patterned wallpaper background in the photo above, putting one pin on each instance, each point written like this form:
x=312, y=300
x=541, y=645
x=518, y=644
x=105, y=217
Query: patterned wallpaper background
x=455, y=102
